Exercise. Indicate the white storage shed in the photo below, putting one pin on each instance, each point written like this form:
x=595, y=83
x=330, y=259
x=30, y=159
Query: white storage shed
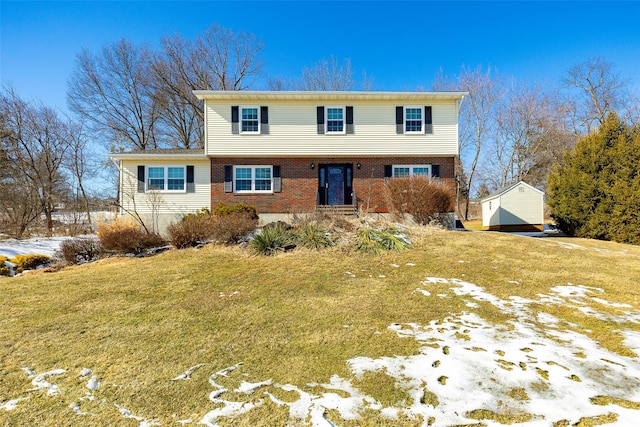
x=517, y=207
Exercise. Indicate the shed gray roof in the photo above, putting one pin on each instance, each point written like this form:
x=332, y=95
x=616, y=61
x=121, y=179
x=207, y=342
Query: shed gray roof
x=508, y=188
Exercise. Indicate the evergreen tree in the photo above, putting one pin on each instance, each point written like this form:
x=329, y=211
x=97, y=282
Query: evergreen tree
x=595, y=193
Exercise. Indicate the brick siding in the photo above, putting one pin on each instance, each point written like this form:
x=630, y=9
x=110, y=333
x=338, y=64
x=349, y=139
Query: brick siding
x=300, y=182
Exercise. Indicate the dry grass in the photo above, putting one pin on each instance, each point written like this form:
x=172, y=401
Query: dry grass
x=295, y=318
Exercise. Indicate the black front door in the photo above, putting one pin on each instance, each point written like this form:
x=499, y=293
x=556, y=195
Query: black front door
x=335, y=184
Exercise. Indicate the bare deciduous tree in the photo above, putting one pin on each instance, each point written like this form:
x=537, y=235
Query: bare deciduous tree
x=521, y=120
x=601, y=91
x=477, y=124
x=79, y=164
x=219, y=59
x=110, y=90
x=325, y=75
x=35, y=142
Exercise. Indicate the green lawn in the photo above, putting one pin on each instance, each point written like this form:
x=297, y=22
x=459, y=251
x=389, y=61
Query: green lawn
x=310, y=331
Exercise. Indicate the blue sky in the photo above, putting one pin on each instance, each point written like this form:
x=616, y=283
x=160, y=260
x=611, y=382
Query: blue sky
x=402, y=45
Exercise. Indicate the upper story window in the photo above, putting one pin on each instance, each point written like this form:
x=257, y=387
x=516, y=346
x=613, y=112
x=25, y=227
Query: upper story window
x=252, y=179
x=166, y=178
x=411, y=170
x=250, y=122
x=335, y=119
x=413, y=120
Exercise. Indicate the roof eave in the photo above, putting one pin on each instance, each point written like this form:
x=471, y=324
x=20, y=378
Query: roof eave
x=218, y=95
x=146, y=156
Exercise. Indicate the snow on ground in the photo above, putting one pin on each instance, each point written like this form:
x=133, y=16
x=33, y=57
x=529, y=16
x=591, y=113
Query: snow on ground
x=536, y=366
x=37, y=245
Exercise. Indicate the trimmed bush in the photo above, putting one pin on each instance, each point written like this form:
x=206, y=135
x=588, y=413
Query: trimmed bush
x=234, y=226
x=203, y=226
x=418, y=196
x=80, y=250
x=4, y=270
x=223, y=209
x=126, y=237
x=192, y=229
x=273, y=238
x=29, y=262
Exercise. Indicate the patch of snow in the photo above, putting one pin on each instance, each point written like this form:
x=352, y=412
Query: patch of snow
x=249, y=388
x=230, y=409
x=93, y=383
x=11, y=404
x=85, y=372
x=38, y=245
x=186, y=375
x=41, y=383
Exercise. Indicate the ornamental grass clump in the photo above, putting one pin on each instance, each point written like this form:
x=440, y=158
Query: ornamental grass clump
x=273, y=238
x=312, y=235
x=375, y=241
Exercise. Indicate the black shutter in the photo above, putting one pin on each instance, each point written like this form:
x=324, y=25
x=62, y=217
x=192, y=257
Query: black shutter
x=435, y=171
x=140, y=178
x=428, y=123
x=320, y=119
x=264, y=120
x=400, y=119
x=228, y=179
x=235, y=119
x=277, y=180
x=349, y=114
x=191, y=187
x=388, y=172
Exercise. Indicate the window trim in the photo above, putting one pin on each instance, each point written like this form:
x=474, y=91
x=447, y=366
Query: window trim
x=404, y=116
x=411, y=168
x=326, y=120
x=165, y=178
x=241, y=120
x=253, y=179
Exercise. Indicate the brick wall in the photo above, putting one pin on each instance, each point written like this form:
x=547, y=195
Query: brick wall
x=300, y=182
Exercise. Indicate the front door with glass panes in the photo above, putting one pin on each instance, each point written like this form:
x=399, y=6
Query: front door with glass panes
x=335, y=184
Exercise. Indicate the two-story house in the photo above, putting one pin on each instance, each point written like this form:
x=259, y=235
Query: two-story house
x=295, y=152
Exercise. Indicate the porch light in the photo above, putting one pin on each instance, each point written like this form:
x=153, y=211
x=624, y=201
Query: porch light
x=358, y=165
x=312, y=165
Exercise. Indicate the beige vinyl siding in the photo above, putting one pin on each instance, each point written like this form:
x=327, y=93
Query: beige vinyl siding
x=491, y=212
x=165, y=202
x=293, y=130
x=524, y=207
x=514, y=207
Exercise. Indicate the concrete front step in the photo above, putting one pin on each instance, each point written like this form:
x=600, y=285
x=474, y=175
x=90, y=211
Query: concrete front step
x=337, y=209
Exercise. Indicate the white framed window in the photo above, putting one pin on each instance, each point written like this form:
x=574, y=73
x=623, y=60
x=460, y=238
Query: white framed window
x=253, y=179
x=411, y=170
x=249, y=119
x=335, y=120
x=413, y=120
x=166, y=179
